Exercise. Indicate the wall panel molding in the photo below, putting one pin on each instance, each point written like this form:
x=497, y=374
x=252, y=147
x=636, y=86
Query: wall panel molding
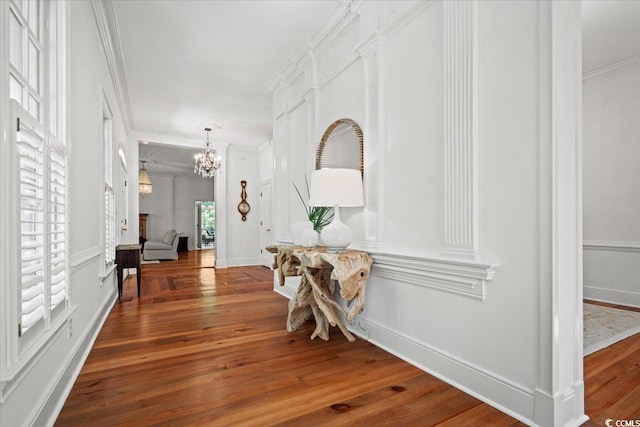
x=461, y=127
x=81, y=259
x=611, y=69
x=449, y=275
x=601, y=245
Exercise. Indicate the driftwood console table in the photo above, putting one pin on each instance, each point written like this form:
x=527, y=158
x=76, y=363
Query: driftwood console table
x=320, y=271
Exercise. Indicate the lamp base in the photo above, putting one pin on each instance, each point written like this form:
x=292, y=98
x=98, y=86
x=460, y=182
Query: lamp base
x=336, y=236
x=336, y=250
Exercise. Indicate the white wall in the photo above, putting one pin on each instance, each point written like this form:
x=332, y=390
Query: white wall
x=612, y=184
x=39, y=391
x=171, y=205
x=243, y=238
x=381, y=64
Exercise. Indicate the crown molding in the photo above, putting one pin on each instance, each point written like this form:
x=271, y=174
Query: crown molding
x=611, y=69
x=112, y=48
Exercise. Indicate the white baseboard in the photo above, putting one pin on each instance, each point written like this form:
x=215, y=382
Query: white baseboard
x=238, y=262
x=566, y=407
x=290, y=286
x=503, y=394
x=48, y=413
x=612, y=296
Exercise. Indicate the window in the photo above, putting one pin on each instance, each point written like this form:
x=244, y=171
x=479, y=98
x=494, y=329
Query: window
x=39, y=301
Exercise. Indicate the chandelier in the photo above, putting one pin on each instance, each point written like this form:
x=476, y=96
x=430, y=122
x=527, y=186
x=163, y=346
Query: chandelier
x=207, y=162
x=144, y=183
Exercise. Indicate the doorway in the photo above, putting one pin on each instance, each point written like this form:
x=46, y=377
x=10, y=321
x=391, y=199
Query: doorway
x=205, y=220
x=266, y=238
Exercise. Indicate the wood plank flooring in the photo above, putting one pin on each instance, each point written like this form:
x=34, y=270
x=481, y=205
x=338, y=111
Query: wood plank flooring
x=209, y=347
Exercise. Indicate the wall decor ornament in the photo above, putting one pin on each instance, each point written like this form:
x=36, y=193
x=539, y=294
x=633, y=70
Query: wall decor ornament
x=243, y=206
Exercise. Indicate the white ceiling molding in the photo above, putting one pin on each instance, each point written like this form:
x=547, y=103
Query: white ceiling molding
x=334, y=27
x=109, y=36
x=611, y=69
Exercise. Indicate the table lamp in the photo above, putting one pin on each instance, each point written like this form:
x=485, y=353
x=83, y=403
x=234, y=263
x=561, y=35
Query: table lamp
x=336, y=187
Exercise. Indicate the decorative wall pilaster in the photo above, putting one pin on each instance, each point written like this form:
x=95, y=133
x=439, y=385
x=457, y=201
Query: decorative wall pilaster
x=460, y=129
x=281, y=179
x=373, y=170
x=311, y=100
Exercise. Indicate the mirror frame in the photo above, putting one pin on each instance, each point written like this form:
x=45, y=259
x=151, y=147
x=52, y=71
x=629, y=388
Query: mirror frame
x=325, y=138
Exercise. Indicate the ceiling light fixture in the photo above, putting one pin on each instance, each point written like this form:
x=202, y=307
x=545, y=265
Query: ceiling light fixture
x=144, y=183
x=207, y=162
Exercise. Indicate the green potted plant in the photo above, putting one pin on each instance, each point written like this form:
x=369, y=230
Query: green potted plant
x=320, y=216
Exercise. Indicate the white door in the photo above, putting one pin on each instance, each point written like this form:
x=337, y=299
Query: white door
x=266, y=236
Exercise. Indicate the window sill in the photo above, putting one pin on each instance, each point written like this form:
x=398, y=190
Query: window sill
x=107, y=272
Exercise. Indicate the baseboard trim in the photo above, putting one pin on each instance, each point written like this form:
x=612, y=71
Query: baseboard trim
x=561, y=408
x=239, y=262
x=612, y=296
x=49, y=411
x=288, y=290
x=513, y=399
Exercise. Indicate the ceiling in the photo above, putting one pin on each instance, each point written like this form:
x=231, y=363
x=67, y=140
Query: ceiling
x=195, y=64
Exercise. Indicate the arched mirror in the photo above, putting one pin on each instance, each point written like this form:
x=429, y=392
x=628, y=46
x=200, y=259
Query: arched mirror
x=341, y=146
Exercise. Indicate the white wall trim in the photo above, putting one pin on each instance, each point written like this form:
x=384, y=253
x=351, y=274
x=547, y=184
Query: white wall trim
x=516, y=399
x=559, y=397
x=81, y=259
x=461, y=129
x=613, y=296
x=238, y=262
x=454, y=276
x=52, y=404
x=611, y=69
x=12, y=376
x=290, y=287
x=603, y=245
x=111, y=46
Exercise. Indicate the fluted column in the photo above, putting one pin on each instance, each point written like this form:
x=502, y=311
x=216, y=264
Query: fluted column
x=461, y=127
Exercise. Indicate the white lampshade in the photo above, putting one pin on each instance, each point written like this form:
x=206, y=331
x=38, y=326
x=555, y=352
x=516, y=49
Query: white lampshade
x=336, y=187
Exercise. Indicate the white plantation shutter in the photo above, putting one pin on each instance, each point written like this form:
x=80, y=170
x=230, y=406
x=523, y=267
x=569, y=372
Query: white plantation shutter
x=58, y=249
x=110, y=229
x=31, y=183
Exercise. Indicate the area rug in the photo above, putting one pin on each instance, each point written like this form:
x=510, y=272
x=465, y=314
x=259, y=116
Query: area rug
x=153, y=261
x=604, y=326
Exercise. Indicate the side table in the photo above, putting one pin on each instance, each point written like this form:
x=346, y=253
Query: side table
x=128, y=256
x=320, y=271
x=183, y=244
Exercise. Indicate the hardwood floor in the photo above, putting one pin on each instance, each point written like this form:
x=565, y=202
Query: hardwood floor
x=206, y=346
